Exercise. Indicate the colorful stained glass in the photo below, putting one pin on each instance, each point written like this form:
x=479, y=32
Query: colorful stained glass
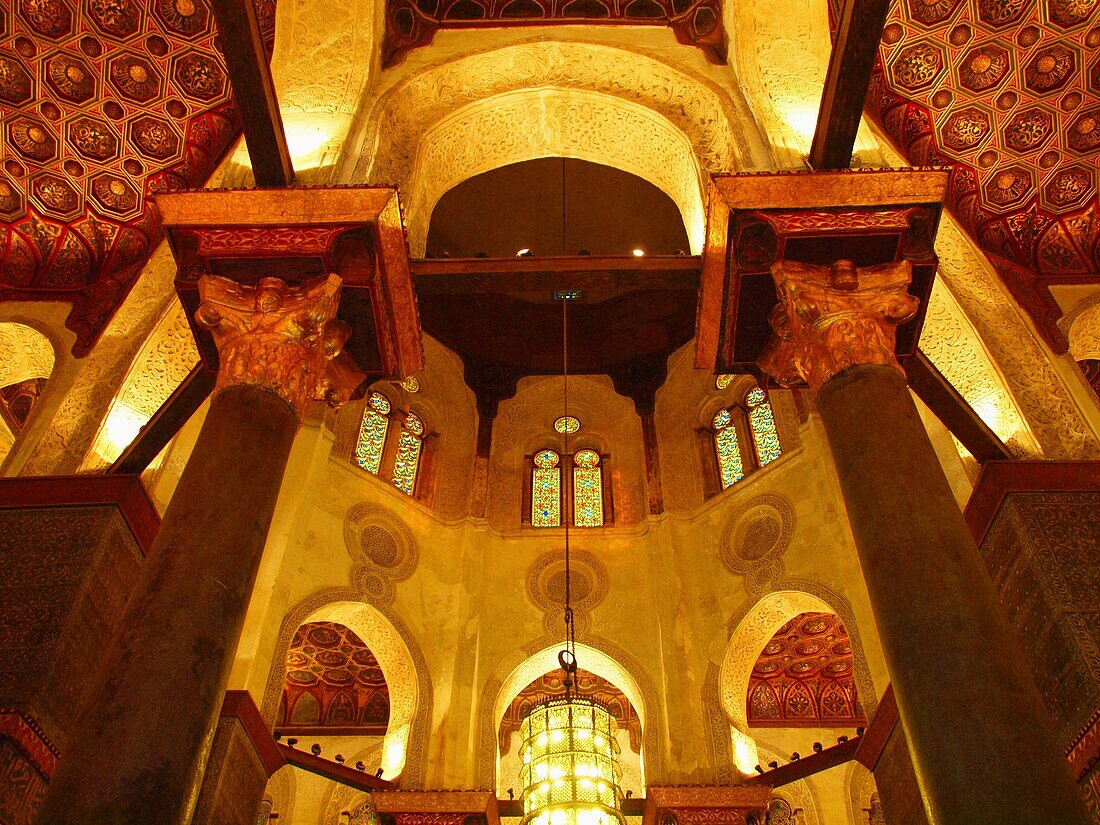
x=730, y=466
x=372, y=433
x=587, y=490
x=765, y=438
x=410, y=384
x=546, y=490
x=567, y=424
x=723, y=381
x=407, y=461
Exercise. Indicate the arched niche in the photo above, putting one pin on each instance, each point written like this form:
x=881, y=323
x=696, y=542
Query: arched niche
x=697, y=107
x=402, y=675
x=27, y=360
x=546, y=661
x=754, y=630
x=549, y=122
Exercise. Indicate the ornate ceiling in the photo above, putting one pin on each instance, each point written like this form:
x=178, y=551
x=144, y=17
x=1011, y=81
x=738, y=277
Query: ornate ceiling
x=803, y=677
x=1007, y=92
x=333, y=684
x=103, y=103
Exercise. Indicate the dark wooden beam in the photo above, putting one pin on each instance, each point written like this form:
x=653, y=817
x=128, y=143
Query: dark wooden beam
x=254, y=91
x=166, y=422
x=874, y=740
x=343, y=774
x=807, y=765
x=846, y=82
x=951, y=408
x=441, y=276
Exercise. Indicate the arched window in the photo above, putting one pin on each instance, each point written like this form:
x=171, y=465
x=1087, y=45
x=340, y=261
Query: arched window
x=372, y=433
x=765, y=438
x=409, y=444
x=546, y=490
x=731, y=468
x=587, y=489
x=751, y=419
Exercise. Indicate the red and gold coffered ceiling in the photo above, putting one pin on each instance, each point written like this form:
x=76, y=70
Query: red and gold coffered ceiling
x=102, y=104
x=1007, y=92
x=803, y=677
x=333, y=684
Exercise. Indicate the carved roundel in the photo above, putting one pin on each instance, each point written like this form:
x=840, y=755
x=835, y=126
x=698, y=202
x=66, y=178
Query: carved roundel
x=756, y=537
x=380, y=541
x=16, y=84
x=546, y=581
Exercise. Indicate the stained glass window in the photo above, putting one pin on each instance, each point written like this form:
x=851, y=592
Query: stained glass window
x=372, y=433
x=407, y=462
x=587, y=489
x=567, y=424
x=723, y=381
x=410, y=384
x=762, y=423
x=546, y=490
x=730, y=466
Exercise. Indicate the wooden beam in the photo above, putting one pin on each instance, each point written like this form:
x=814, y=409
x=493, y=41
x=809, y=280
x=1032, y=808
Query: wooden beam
x=874, y=740
x=166, y=422
x=953, y=410
x=343, y=774
x=254, y=91
x=441, y=276
x=846, y=82
x=807, y=765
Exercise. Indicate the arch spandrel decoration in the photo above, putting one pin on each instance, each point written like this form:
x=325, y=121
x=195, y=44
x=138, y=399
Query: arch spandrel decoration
x=537, y=123
x=404, y=749
x=598, y=656
x=25, y=353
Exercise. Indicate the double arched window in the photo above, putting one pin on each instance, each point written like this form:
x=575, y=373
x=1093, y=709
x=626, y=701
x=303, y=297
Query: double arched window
x=748, y=422
x=391, y=440
x=581, y=494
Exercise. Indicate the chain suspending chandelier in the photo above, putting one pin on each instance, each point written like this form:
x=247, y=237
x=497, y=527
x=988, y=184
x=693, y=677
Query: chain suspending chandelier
x=569, y=751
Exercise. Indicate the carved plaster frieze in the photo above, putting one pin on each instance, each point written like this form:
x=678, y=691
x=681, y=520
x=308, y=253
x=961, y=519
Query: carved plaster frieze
x=24, y=353
x=829, y=319
x=277, y=336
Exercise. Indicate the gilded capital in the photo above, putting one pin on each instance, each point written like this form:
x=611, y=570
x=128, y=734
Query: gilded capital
x=283, y=337
x=830, y=318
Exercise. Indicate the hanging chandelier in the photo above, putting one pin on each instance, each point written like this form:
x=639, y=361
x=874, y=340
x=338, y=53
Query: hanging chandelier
x=570, y=752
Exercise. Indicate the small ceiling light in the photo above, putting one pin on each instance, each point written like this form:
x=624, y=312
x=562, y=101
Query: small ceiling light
x=523, y=253
x=638, y=252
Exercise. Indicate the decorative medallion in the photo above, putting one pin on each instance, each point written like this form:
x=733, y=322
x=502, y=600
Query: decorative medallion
x=116, y=18
x=92, y=138
x=755, y=538
x=1028, y=130
x=1050, y=68
x=134, y=77
x=70, y=77
x=11, y=200
x=1069, y=13
x=983, y=67
x=184, y=17
x=16, y=85
x=567, y=424
x=49, y=18
x=1084, y=132
x=998, y=13
x=929, y=12
x=199, y=76
x=966, y=129
x=380, y=540
x=918, y=65
x=546, y=582
x=114, y=193
x=56, y=194
x=1069, y=187
x=154, y=137
x=32, y=139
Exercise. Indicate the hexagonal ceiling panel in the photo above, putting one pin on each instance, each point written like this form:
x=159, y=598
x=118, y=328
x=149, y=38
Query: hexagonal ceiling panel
x=1007, y=92
x=103, y=103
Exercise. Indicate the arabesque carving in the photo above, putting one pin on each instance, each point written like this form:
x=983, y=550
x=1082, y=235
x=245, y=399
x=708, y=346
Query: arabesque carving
x=280, y=337
x=831, y=318
x=24, y=353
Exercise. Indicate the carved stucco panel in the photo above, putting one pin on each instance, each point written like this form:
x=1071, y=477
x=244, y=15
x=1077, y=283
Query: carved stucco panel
x=548, y=122
x=24, y=353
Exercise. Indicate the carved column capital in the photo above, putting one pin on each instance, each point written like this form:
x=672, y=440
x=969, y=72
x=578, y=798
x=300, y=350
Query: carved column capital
x=284, y=338
x=831, y=318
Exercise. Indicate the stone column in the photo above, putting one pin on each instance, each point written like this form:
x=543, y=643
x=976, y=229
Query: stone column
x=138, y=750
x=982, y=745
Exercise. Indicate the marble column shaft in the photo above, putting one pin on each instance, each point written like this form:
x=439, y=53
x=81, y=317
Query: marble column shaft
x=136, y=756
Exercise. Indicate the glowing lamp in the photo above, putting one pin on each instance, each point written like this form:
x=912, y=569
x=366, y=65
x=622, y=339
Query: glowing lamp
x=570, y=741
